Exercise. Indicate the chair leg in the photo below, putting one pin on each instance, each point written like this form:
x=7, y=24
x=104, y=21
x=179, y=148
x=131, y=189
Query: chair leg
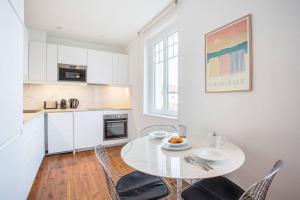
x=178, y=188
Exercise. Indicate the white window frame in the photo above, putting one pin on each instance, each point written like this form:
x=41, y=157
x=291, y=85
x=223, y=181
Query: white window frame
x=163, y=35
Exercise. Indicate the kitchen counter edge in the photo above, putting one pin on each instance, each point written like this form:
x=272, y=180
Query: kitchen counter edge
x=27, y=117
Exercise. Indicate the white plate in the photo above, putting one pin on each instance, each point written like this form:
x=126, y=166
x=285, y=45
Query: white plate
x=167, y=147
x=183, y=144
x=211, y=154
x=159, y=134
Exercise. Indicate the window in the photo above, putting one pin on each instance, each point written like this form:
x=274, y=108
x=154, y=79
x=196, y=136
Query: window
x=163, y=84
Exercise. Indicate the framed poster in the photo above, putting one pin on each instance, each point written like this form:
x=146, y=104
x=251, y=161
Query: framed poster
x=228, y=57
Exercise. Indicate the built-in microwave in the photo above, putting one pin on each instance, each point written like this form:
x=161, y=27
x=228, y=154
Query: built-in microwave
x=71, y=72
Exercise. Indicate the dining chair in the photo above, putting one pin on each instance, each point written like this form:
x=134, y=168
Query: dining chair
x=147, y=130
x=221, y=188
x=133, y=186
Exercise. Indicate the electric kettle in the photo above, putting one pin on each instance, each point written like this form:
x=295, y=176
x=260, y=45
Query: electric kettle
x=74, y=103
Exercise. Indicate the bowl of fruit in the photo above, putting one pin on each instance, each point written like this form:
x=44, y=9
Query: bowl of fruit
x=176, y=141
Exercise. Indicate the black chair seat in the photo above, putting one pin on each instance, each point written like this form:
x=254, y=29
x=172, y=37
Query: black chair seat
x=218, y=188
x=140, y=186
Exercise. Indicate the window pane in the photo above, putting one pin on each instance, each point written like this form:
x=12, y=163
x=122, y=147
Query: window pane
x=170, y=40
x=176, y=50
x=161, y=45
x=158, y=86
x=161, y=56
x=176, y=37
x=170, y=51
x=173, y=84
x=156, y=47
x=156, y=58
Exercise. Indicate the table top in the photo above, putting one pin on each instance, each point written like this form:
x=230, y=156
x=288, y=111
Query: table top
x=146, y=155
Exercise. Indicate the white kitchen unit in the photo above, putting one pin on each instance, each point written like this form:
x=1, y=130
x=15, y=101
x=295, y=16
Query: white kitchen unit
x=72, y=55
x=120, y=69
x=11, y=70
x=52, y=63
x=19, y=7
x=25, y=54
x=60, y=132
x=99, y=69
x=88, y=129
x=21, y=159
x=37, y=61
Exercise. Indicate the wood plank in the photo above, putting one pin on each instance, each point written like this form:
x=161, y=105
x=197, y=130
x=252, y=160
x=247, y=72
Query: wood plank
x=75, y=177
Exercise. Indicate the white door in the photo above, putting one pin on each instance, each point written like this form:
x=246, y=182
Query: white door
x=37, y=61
x=120, y=69
x=52, y=63
x=60, y=132
x=88, y=129
x=72, y=55
x=11, y=70
x=25, y=58
x=99, y=69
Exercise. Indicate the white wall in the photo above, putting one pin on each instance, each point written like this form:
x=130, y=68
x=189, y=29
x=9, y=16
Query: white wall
x=264, y=122
x=88, y=45
x=36, y=35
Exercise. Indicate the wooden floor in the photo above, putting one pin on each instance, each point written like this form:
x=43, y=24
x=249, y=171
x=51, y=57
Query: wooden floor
x=75, y=177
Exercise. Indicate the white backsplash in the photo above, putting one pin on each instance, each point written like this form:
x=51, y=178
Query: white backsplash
x=90, y=96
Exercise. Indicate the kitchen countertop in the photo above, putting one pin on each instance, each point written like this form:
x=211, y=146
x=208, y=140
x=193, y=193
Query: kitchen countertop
x=29, y=116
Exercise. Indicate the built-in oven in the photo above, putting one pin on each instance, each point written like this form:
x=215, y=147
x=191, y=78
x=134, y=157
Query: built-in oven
x=115, y=126
x=75, y=73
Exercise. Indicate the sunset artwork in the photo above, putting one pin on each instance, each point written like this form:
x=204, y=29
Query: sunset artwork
x=228, y=60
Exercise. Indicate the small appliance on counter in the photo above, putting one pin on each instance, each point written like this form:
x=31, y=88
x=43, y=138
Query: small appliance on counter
x=63, y=104
x=74, y=103
x=50, y=104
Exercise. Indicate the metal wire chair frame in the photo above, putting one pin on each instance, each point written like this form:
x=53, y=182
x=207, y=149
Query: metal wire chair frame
x=106, y=165
x=259, y=190
x=168, y=128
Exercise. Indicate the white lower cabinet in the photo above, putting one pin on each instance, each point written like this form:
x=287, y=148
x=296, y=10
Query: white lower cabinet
x=88, y=129
x=60, y=132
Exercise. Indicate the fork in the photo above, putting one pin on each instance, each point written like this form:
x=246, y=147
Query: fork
x=188, y=159
x=200, y=161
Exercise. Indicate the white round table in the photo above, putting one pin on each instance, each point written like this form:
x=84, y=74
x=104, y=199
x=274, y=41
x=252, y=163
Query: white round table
x=146, y=155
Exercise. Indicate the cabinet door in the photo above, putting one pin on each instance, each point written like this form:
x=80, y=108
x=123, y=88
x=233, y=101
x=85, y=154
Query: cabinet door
x=120, y=69
x=51, y=62
x=19, y=7
x=88, y=129
x=25, y=58
x=11, y=70
x=72, y=55
x=37, y=61
x=60, y=132
x=99, y=69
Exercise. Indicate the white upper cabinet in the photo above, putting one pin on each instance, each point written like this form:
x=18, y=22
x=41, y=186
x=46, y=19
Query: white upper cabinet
x=72, y=55
x=19, y=7
x=120, y=69
x=11, y=69
x=88, y=129
x=52, y=63
x=25, y=58
x=99, y=69
x=37, y=61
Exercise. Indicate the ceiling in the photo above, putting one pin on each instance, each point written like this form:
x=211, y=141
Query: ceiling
x=114, y=22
